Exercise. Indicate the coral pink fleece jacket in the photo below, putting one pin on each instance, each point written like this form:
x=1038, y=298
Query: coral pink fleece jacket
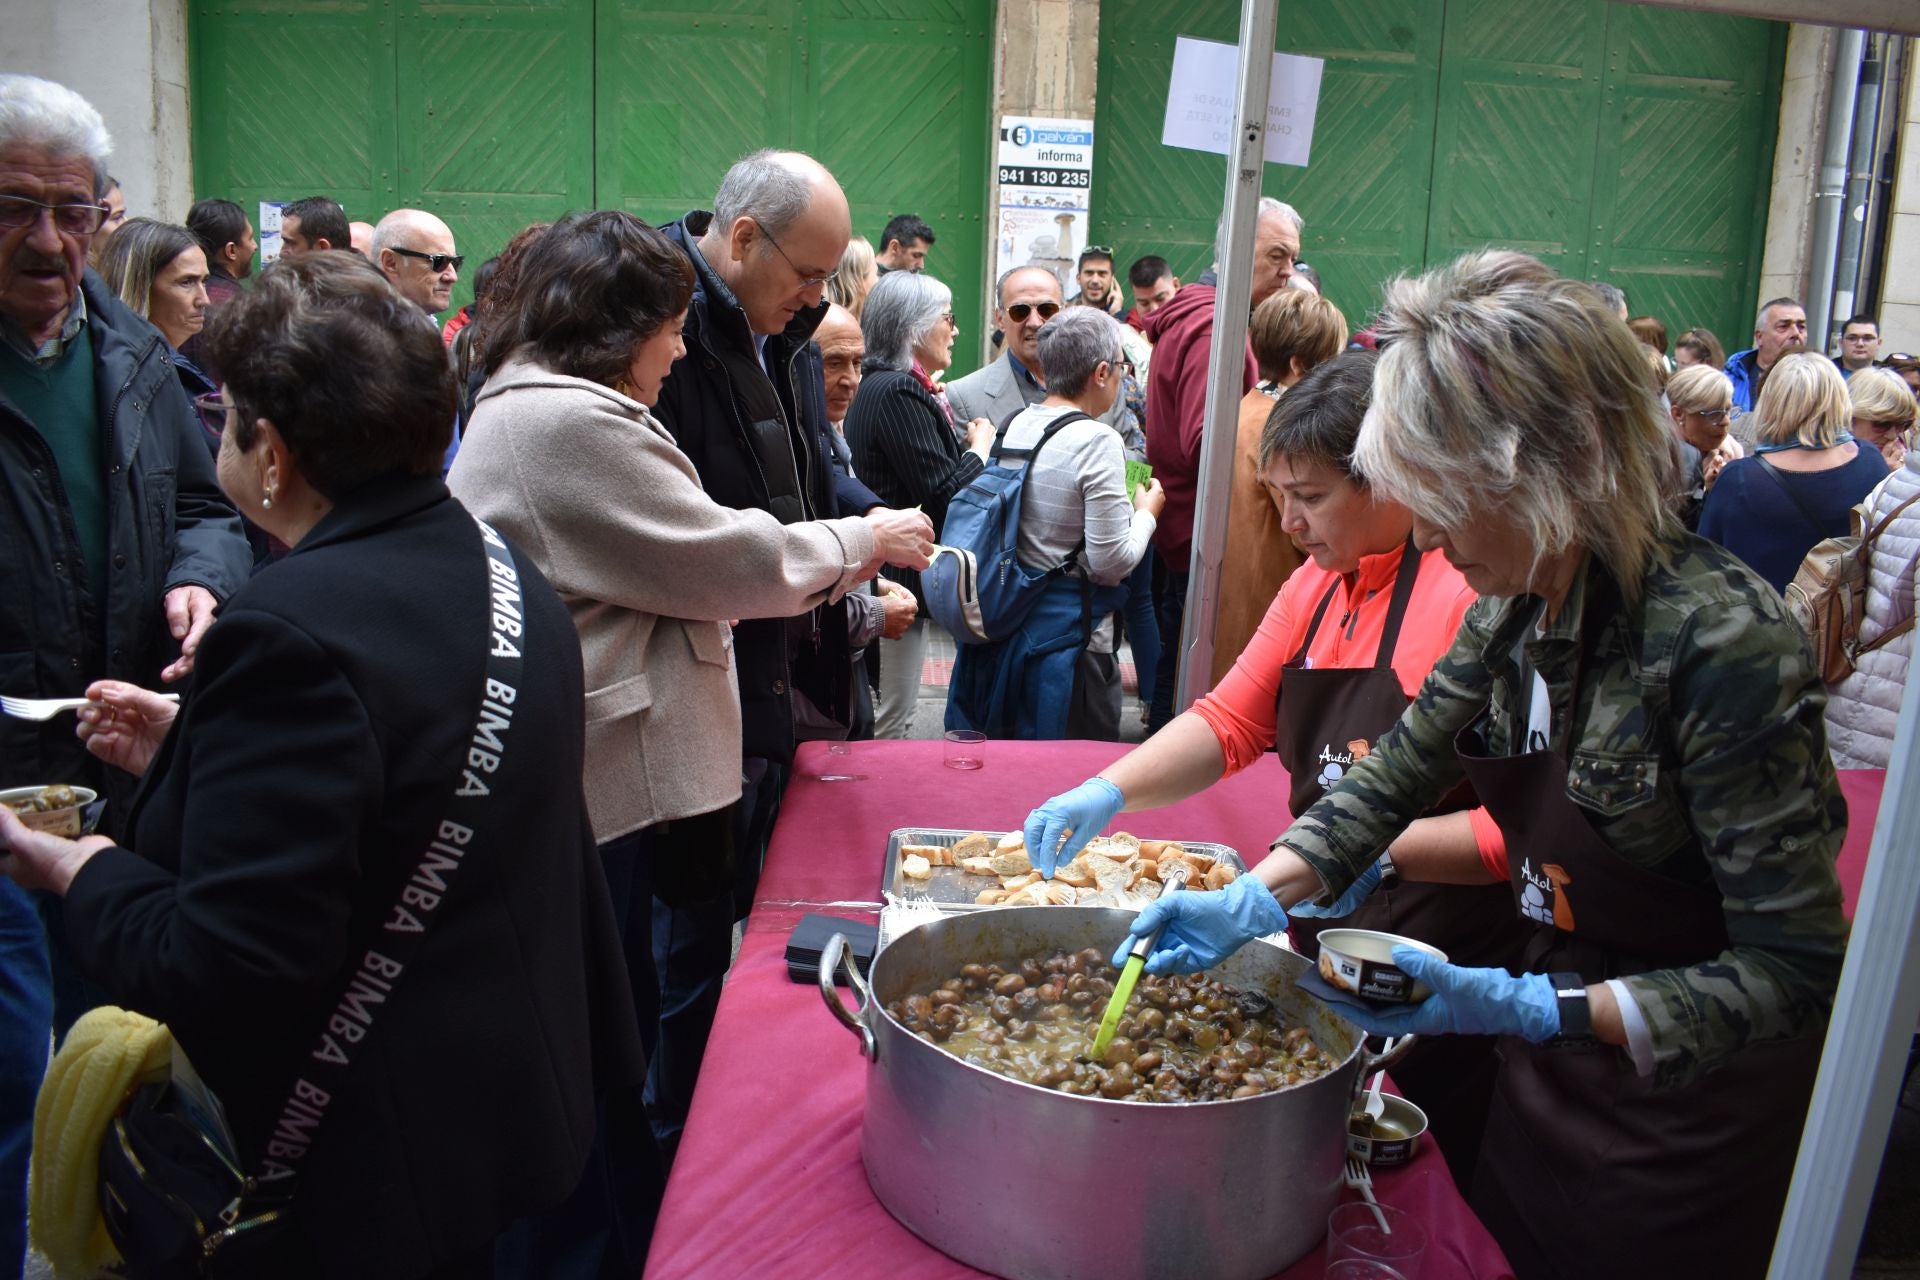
x=1182, y=334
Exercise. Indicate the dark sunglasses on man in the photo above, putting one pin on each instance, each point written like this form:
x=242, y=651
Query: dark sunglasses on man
x=436, y=262
x=1019, y=311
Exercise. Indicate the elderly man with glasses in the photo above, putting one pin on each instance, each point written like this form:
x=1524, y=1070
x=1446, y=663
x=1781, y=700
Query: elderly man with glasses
x=414, y=250
x=1027, y=298
x=122, y=545
x=747, y=405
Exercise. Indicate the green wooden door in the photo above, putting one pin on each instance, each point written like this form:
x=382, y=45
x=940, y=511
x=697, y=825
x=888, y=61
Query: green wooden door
x=479, y=113
x=494, y=115
x=1614, y=141
x=1364, y=197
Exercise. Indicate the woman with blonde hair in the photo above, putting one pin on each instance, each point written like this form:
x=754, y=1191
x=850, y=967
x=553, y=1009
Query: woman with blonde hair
x=1806, y=474
x=1883, y=412
x=854, y=278
x=1291, y=333
x=1642, y=721
x=1700, y=400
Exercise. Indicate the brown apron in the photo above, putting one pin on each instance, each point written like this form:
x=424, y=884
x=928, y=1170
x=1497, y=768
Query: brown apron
x=1326, y=718
x=1585, y=1170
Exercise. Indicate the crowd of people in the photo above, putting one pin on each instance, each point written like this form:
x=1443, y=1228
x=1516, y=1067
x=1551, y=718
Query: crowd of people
x=1502, y=589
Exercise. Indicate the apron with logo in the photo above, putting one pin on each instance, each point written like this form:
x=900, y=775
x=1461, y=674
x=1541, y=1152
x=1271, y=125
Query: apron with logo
x=1327, y=719
x=1585, y=1170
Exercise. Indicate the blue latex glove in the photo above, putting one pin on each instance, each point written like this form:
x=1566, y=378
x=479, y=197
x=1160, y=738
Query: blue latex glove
x=1061, y=827
x=1347, y=903
x=1474, y=1002
x=1205, y=928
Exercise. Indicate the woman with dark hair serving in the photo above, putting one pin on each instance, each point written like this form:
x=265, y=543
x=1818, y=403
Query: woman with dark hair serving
x=1342, y=647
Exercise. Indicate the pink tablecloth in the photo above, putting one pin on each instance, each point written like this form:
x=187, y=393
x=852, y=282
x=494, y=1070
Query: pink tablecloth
x=768, y=1181
x=1862, y=788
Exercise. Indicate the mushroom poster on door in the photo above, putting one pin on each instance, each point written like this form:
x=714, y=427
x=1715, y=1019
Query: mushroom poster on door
x=1046, y=184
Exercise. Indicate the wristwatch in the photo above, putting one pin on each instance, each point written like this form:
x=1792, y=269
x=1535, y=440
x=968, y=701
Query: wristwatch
x=1389, y=874
x=1576, y=1016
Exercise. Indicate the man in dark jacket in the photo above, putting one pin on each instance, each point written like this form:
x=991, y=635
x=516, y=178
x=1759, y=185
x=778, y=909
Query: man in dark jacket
x=116, y=540
x=747, y=405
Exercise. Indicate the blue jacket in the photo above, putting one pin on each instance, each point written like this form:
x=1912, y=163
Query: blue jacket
x=1023, y=687
x=1743, y=367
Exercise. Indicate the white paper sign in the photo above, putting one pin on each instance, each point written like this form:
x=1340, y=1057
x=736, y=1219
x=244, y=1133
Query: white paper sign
x=1046, y=183
x=1204, y=92
x=269, y=230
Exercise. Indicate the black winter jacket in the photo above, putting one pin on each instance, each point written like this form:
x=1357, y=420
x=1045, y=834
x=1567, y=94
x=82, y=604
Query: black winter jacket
x=168, y=526
x=699, y=405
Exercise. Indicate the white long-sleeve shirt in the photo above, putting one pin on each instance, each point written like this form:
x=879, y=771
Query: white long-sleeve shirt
x=1079, y=486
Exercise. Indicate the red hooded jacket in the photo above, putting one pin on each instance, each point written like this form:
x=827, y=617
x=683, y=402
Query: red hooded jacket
x=1182, y=335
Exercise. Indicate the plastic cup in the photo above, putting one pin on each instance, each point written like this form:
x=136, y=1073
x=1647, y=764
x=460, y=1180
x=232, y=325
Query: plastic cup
x=1362, y=1269
x=966, y=749
x=1354, y=1234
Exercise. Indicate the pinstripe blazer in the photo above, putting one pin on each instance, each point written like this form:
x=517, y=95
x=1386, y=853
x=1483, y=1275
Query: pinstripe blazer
x=905, y=450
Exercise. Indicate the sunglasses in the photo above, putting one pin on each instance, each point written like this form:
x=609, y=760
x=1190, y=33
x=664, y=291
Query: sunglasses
x=71, y=219
x=212, y=409
x=1900, y=357
x=1019, y=311
x=436, y=262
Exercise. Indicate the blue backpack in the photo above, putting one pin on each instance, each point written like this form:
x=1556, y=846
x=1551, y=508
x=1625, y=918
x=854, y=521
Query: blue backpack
x=976, y=586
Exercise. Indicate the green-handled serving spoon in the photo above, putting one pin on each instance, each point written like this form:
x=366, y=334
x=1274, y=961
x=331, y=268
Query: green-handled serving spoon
x=1174, y=880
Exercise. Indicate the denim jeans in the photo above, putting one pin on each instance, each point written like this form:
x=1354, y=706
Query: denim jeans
x=1173, y=611
x=26, y=1020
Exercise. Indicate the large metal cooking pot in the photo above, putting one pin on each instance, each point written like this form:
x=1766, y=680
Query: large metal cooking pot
x=1033, y=1184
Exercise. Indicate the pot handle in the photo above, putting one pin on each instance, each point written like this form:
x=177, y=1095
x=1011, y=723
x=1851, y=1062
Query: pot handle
x=1391, y=1052
x=836, y=955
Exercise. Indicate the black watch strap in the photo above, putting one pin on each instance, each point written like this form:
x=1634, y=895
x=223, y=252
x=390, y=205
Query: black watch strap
x=1576, y=1016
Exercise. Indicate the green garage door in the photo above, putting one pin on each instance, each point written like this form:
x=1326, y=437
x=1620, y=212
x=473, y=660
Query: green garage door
x=1615, y=141
x=498, y=114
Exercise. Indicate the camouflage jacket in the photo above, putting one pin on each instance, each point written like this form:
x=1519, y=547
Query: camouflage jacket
x=1704, y=683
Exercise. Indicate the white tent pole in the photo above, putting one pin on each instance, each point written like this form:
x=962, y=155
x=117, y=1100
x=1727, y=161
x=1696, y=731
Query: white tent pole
x=1864, y=1063
x=1227, y=361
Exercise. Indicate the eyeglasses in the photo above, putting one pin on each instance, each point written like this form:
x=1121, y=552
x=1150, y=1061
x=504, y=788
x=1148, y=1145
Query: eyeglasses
x=436, y=262
x=213, y=409
x=947, y=316
x=1711, y=415
x=69, y=219
x=1019, y=311
x=805, y=279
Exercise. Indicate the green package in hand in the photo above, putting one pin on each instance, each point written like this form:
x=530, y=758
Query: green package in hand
x=1138, y=473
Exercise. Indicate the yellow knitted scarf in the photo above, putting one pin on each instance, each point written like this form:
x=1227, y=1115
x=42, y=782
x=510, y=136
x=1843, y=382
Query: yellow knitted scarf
x=106, y=1055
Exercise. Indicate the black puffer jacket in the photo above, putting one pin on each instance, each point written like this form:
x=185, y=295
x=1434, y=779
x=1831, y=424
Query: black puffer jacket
x=167, y=526
x=707, y=417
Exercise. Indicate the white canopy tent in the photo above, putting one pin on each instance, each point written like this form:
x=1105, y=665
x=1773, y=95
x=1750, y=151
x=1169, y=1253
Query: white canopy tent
x=1878, y=1002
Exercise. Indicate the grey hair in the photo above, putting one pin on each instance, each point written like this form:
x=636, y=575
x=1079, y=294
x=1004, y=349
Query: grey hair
x=1760, y=316
x=763, y=187
x=1612, y=295
x=900, y=312
x=1073, y=344
x=40, y=113
x=1269, y=208
x=1504, y=388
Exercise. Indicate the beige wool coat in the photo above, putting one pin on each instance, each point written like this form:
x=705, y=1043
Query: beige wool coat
x=592, y=487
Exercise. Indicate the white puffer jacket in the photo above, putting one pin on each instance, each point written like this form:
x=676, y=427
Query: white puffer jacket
x=1863, y=709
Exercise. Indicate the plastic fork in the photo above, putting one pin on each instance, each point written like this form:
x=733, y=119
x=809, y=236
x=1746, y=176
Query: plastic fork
x=1360, y=1178
x=48, y=708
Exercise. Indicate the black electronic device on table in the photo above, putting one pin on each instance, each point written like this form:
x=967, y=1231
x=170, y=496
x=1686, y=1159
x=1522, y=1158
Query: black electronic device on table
x=809, y=939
